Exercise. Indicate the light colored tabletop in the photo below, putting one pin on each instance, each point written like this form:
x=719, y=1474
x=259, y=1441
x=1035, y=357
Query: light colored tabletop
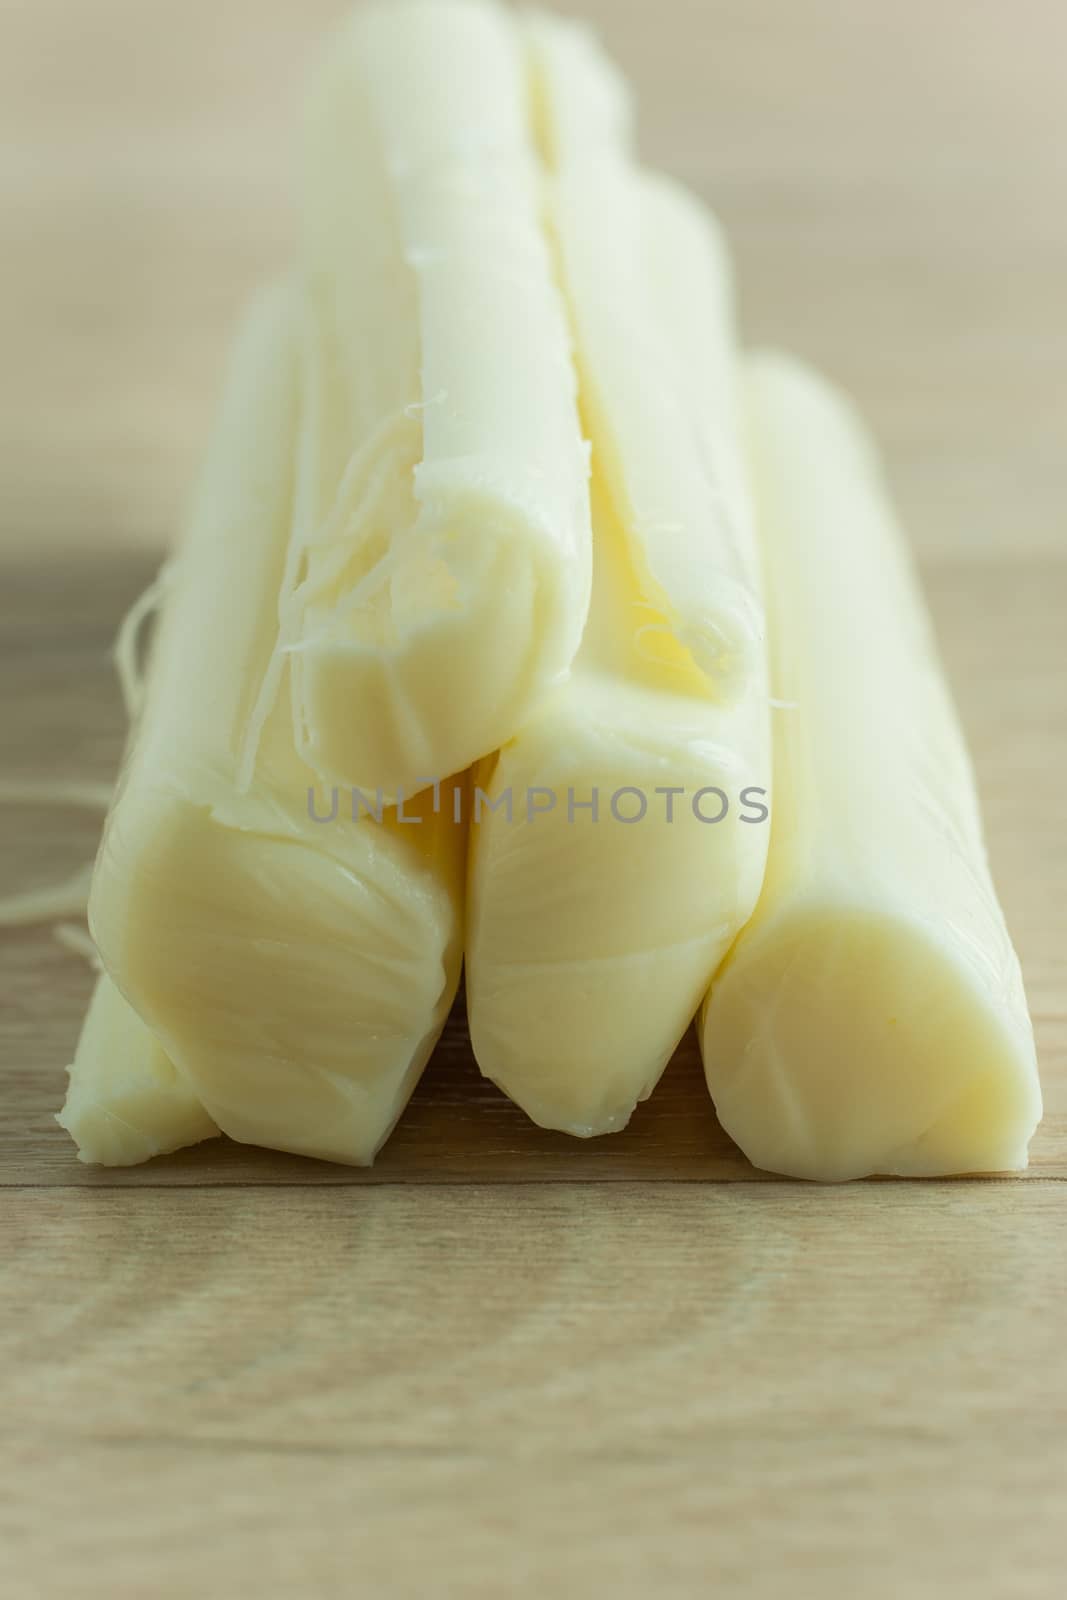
x=504, y=1362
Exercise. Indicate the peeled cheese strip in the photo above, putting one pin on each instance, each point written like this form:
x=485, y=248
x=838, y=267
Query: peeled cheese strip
x=657, y=395
x=441, y=567
x=591, y=938
x=296, y=971
x=871, y=1017
x=126, y=1102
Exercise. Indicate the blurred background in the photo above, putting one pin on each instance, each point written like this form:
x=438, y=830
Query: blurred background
x=643, y=1390
x=891, y=173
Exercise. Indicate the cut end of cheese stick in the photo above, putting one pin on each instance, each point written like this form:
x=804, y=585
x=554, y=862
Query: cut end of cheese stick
x=443, y=561
x=295, y=964
x=126, y=1101
x=592, y=938
x=302, y=989
x=592, y=933
x=871, y=1018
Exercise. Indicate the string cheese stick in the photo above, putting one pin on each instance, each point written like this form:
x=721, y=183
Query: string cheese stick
x=871, y=1017
x=656, y=393
x=296, y=971
x=126, y=1101
x=441, y=579
x=592, y=933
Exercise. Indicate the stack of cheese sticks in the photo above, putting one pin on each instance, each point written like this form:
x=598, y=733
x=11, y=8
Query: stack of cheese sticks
x=520, y=623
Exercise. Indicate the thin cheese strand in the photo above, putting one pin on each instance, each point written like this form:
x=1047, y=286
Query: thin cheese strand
x=70, y=895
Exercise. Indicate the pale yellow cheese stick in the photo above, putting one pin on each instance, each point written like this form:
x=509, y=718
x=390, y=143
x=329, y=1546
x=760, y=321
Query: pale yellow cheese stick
x=296, y=971
x=592, y=934
x=651, y=318
x=441, y=569
x=871, y=1017
x=126, y=1102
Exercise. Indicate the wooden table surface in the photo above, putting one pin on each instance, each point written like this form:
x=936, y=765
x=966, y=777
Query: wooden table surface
x=507, y=1363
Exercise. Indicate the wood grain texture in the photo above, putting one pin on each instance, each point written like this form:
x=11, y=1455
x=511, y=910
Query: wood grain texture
x=656, y=1390
x=233, y=1373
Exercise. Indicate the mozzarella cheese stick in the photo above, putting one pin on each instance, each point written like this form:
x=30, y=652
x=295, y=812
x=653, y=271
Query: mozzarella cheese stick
x=441, y=574
x=656, y=393
x=295, y=965
x=593, y=933
x=126, y=1102
x=871, y=1017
